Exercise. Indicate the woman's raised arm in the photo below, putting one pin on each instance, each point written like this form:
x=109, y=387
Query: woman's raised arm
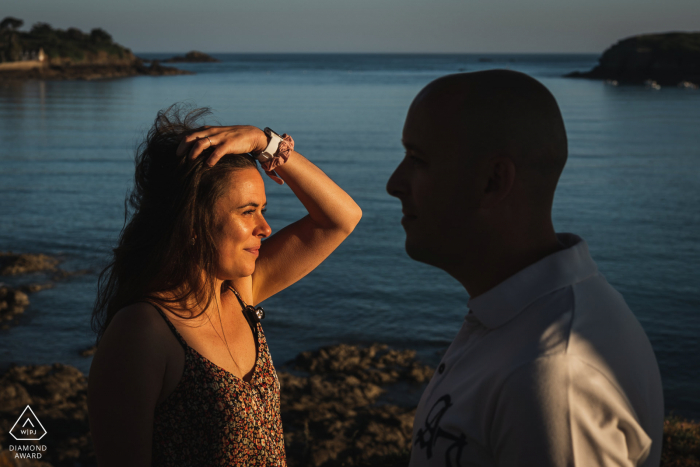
x=299, y=248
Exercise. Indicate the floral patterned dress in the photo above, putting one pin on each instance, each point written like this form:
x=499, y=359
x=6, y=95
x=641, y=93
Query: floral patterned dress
x=215, y=418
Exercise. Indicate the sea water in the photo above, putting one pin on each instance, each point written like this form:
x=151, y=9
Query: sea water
x=631, y=189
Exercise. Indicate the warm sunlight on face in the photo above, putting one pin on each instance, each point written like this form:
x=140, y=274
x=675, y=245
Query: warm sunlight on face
x=240, y=225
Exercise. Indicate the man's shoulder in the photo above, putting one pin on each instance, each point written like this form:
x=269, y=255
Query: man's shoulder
x=604, y=328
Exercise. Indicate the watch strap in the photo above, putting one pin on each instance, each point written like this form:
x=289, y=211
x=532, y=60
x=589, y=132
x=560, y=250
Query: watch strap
x=273, y=144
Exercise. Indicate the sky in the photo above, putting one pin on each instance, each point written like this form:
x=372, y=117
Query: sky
x=375, y=26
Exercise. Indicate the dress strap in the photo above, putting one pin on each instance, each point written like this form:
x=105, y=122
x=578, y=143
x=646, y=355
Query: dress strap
x=250, y=314
x=170, y=325
x=255, y=313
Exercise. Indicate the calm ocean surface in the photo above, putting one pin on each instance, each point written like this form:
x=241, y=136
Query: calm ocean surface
x=631, y=188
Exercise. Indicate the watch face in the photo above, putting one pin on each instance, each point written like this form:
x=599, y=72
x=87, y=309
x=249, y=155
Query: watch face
x=269, y=131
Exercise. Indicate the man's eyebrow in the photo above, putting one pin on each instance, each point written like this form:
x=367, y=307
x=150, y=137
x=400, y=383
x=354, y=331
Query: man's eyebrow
x=251, y=204
x=411, y=147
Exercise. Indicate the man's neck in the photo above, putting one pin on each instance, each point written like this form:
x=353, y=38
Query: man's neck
x=502, y=262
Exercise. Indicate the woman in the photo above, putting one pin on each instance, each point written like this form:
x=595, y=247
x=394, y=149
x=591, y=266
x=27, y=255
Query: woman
x=182, y=374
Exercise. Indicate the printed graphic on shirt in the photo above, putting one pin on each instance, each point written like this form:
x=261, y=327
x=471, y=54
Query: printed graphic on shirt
x=431, y=432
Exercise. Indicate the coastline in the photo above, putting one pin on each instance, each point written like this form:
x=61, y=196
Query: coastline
x=90, y=72
x=333, y=405
x=332, y=408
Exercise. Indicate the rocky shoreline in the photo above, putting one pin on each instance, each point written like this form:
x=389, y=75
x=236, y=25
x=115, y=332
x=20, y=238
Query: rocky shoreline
x=91, y=72
x=14, y=299
x=331, y=408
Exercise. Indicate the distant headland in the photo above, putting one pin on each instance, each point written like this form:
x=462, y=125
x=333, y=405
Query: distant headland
x=665, y=59
x=46, y=53
x=192, y=57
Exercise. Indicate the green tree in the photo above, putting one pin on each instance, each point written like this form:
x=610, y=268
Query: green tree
x=100, y=36
x=10, y=24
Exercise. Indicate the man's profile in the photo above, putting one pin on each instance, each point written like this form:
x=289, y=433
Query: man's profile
x=550, y=366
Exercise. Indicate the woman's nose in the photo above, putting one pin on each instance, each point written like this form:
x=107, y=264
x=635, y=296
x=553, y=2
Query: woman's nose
x=263, y=229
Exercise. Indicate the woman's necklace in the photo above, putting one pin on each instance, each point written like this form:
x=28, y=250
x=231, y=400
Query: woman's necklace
x=224, y=338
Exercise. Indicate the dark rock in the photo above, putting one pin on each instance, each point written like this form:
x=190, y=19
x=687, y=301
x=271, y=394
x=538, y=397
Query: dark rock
x=89, y=351
x=32, y=288
x=13, y=264
x=667, y=59
x=14, y=300
x=331, y=416
x=192, y=57
x=12, y=303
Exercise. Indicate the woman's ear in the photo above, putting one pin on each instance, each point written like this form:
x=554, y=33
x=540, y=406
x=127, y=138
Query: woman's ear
x=501, y=178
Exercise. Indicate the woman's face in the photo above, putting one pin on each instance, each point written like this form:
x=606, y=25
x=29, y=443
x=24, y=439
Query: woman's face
x=239, y=224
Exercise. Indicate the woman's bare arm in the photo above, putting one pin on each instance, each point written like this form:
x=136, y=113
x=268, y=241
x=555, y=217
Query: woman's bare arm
x=299, y=248
x=124, y=384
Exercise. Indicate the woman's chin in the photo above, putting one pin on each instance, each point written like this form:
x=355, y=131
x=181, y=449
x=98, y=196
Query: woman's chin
x=237, y=274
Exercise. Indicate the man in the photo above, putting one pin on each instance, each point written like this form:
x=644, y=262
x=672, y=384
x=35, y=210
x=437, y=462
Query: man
x=550, y=367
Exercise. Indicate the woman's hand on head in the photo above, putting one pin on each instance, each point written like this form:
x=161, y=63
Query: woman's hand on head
x=237, y=139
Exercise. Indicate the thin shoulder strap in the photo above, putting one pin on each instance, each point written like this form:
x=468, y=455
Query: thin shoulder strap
x=247, y=313
x=170, y=325
x=240, y=300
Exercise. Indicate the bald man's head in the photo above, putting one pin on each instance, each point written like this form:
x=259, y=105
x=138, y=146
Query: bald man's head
x=499, y=113
x=484, y=152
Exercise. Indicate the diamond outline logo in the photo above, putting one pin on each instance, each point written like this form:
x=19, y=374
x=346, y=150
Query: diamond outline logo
x=28, y=419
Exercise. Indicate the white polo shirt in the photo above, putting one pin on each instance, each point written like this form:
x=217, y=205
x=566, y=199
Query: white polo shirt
x=550, y=368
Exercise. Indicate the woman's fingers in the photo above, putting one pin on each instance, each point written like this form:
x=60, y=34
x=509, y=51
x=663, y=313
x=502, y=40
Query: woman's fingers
x=187, y=142
x=225, y=140
x=199, y=146
x=216, y=155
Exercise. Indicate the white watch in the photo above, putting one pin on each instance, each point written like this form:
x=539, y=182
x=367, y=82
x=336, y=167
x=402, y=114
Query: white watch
x=273, y=145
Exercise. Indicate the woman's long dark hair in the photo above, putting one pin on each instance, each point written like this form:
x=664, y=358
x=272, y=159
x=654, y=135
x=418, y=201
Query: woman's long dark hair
x=171, y=203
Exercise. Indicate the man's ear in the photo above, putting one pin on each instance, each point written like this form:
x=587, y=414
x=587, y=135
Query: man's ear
x=501, y=178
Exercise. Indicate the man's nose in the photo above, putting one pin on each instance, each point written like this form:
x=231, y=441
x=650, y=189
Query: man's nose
x=396, y=186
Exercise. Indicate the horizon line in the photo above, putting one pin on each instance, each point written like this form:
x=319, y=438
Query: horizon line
x=368, y=53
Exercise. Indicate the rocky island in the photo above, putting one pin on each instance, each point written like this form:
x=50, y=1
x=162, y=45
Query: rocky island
x=667, y=59
x=192, y=57
x=46, y=53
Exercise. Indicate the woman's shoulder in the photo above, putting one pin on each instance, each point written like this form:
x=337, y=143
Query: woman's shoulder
x=141, y=318
x=127, y=372
x=139, y=331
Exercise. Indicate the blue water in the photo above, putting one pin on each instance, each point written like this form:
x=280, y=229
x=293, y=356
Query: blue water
x=631, y=188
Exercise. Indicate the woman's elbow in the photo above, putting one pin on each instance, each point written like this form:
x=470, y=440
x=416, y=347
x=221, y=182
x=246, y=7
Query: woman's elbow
x=352, y=219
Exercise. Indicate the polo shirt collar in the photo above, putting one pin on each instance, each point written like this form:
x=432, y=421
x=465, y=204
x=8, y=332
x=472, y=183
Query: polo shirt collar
x=503, y=302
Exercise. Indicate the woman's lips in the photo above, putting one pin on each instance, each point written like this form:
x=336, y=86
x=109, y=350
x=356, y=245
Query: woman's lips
x=253, y=251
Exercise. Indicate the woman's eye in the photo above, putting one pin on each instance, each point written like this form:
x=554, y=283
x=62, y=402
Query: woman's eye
x=264, y=211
